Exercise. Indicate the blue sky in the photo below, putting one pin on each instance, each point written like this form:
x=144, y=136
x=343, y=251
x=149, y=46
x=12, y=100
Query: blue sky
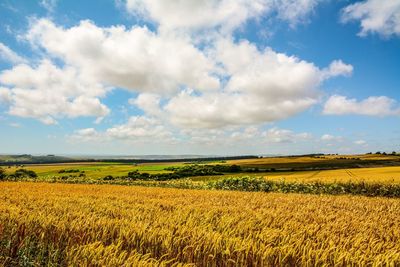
x=199, y=77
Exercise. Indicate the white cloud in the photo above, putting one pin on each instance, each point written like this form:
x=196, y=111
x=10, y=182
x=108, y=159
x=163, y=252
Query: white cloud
x=242, y=138
x=360, y=142
x=249, y=133
x=276, y=135
x=372, y=106
x=338, y=67
x=5, y=95
x=375, y=16
x=224, y=84
x=149, y=103
x=135, y=59
x=227, y=109
x=86, y=135
x=136, y=129
x=331, y=138
x=48, y=92
x=226, y=15
x=15, y=125
x=295, y=11
x=327, y=137
x=197, y=14
x=49, y=5
x=263, y=86
x=139, y=127
x=139, y=130
x=8, y=55
x=226, y=138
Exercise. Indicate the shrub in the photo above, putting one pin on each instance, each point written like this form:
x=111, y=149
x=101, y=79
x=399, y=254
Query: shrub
x=24, y=173
x=108, y=178
x=69, y=171
x=262, y=185
x=2, y=174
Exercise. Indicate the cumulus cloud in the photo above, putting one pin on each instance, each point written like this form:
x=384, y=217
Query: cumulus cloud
x=246, y=135
x=135, y=59
x=276, y=135
x=338, y=67
x=263, y=86
x=86, y=135
x=137, y=128
x=9, y=55
x=48, y=92
x=149, y=103
x=327, y=137
x=5, y=95
x=142, y=129
x=197, y=14
x=375, y=16
x=372, y=106
x=226, y=15
x=223, y=84
x=360, y=142
x=330, y=138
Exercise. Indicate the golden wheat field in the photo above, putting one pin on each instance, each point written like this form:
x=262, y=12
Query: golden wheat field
x=380, y=175
x=43, y=224
x=367, y=175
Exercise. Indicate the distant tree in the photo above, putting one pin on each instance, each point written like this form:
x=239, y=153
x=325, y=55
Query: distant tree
x=2, y=174
x=108, y=178
x=378, y=153
x=25, y=173
x=235, y=168
x=394, y=153
x=383, y=153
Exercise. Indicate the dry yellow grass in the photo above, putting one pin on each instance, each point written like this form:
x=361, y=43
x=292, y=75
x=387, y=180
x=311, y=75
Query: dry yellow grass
x=81, y=225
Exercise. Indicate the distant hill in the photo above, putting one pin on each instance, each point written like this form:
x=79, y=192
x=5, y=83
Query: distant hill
x=44, y=159
x=27, y=158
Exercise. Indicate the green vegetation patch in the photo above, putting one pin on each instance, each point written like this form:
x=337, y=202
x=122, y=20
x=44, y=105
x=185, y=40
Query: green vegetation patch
x=261, y=185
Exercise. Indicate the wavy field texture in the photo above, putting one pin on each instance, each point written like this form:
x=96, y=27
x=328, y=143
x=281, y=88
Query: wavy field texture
x=102, y=225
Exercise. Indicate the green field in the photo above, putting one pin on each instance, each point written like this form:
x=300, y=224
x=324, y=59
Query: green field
x=94, y=170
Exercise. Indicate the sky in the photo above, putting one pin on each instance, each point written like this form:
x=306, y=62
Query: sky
x=204, y=77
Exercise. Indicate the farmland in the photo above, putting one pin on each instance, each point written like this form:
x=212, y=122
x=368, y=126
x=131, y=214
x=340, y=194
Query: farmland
x=60, y=224
x=88, y=215
x=319, y=162
x=325, y=169
x=376, y=175
x=94, y=170
x=387, y=175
